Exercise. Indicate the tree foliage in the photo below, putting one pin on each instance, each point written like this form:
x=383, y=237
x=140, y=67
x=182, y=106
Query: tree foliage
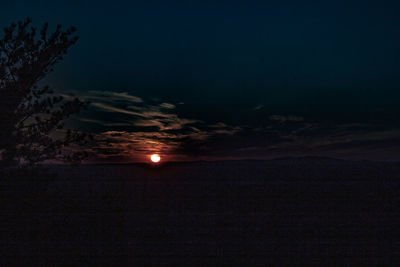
x=31, y=115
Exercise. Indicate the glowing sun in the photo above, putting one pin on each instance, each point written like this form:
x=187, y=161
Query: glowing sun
x=155, y=158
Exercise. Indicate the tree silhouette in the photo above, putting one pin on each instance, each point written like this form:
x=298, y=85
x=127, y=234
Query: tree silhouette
x=31, y=116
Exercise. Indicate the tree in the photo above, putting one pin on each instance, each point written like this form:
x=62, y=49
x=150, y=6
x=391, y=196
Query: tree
x=31, y=115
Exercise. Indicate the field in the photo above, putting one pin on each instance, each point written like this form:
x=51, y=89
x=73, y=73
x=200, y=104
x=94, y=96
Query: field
x=292, y=210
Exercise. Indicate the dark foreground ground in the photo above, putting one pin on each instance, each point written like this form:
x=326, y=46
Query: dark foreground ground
x=249, y=212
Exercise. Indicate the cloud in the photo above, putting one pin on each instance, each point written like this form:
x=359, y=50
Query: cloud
x=108, y=108
x=228, y=131
x=258, y=107
x=219, y=125
x=348, y=141
x=288, y=118
x=137, y=145
x=167, y=105
x=131, y=128
x=149, y=116
x=126, y=96
x=112, y=96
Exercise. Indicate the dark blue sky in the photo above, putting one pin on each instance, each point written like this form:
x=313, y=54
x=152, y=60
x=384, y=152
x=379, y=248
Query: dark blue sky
x=332, y=63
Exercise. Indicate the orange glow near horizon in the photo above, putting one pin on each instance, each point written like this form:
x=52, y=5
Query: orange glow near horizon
x=155, y=158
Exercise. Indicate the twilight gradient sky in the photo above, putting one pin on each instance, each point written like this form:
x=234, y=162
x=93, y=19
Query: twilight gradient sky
x=230, y=79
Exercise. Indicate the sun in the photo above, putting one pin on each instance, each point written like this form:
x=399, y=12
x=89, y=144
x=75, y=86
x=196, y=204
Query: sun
x=155, y=158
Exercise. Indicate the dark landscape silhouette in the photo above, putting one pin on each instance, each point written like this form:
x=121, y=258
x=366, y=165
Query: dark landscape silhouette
x=289, y=210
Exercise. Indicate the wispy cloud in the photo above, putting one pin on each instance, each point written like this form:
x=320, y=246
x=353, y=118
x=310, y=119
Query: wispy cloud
x=137, y=128
x=167, y=105
x=258, y=107
x=112, y=96
x=348, y=140
x=128, y=128
x=285, y=118
x=109, y=108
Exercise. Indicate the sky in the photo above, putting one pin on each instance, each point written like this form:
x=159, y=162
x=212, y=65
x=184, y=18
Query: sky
x=218, y=80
